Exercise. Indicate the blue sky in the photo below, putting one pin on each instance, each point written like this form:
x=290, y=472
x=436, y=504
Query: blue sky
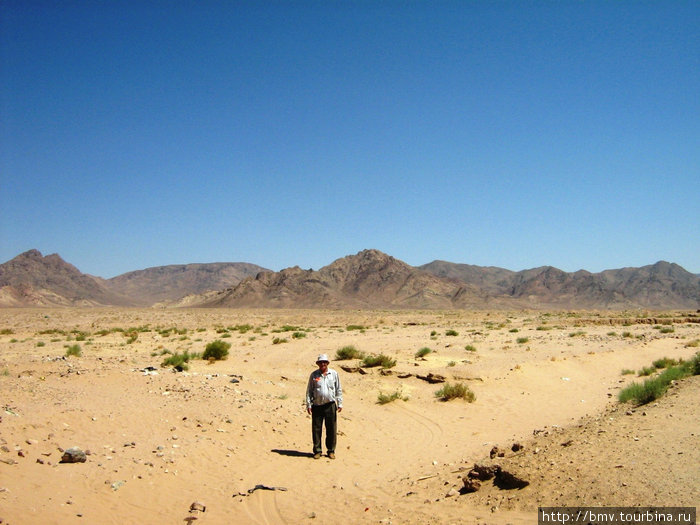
x=511, y=134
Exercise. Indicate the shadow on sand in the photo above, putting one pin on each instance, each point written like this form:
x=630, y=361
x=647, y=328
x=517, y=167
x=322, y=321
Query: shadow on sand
x=293, y=453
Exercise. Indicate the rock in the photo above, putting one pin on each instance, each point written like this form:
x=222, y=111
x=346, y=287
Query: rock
x=508, y=481
x=516, y=447
x=470, y=484
x=73, y=455
x=452, y=493
x=432, y=378
x=496, y=452
x=483, y=472
x=197, y=507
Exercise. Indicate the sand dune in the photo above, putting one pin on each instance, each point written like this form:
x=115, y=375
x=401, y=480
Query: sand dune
x=160, y=441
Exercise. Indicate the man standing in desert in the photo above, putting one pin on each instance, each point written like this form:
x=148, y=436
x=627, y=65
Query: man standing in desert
x=324, y=399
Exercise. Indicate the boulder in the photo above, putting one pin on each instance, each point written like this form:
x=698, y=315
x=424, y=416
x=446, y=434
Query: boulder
x=73, y=455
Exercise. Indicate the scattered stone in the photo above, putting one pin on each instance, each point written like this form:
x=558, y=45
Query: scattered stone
x=198, y=507
x=452, y=493
x=483, y=472
x=432, y=378
x=517, y=447
x=567, y=443
x=496, y=452
x=470, y=485
x=73, y=455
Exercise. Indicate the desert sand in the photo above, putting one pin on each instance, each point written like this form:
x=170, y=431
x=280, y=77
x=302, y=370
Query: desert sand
x=158, y=441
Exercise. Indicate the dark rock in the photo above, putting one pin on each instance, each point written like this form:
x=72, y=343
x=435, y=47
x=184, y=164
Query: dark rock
x=496, y=452
x=73, y=455
x=483, y=472
x=516, y=447
x=432, y=378
x=470, y=485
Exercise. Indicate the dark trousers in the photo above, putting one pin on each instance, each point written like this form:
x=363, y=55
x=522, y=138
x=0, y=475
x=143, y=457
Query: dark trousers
x=321, y=414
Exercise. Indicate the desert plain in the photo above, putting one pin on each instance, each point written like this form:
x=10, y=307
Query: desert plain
x=233, y=437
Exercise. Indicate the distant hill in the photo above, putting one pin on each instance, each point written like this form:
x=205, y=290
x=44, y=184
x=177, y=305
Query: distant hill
x=659, y=286
x=30, y=279
x=169, y=283
x=368, y=279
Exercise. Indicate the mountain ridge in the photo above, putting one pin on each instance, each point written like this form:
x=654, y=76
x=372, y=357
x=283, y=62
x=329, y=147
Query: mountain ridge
x=368, y=279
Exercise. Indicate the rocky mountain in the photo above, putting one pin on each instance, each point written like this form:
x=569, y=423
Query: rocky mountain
x=169, y=283
x=369, y=279
x=659, y=286
x=30, y=279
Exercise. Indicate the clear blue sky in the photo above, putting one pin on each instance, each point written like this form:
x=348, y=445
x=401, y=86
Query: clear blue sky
x=513, y=134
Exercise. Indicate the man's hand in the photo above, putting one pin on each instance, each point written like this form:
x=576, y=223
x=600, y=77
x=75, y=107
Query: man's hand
x=340, y=409
x=308, y=410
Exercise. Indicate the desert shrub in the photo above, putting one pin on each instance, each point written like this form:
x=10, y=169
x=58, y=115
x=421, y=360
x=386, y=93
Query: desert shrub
x=627, y=371
x=433, y=333
x=626, y=334
x=455, y=391
x=278, y=340
x=8, y=331
x=577, y=333
x=179, y=361
x=642, y=393
x=543, y=328
x=383, y=399
x=422, y=352
x=348, y=352
x=351, y=327
x=452, y=363
x=40, y=343
x=470, y=348
x=522, y=340
x=515, y=330
x=74, y=351
x=653, y=388
x=298, y=335
x=216, y=350
x=694, y=365
x=452, y=333
x=667, y=330
x=612, y=334
x=646, y=371
x=382, y=360
x=693, y=344
x=664, y=362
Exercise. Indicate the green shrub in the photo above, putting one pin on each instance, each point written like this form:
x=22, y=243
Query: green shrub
x=693, y=344
x=433, y=333
x=647, y=371
x=278, y=340
x=451, y=333
x=179, y=361
x=455, y=391
x=382, y=360
x=522, y=340
x=667, y=330
x=664, y=362
x=74, y=351
x=422, y=352
x=653, y=388
x=40, y=343
x=627, y=371
x=515, y=330
x=348, y=352
x=9, y=331
x=351, y=327
x=577, y=333
x=216, y=350
x=298, y=335
x=383, y=399
x=470, y=348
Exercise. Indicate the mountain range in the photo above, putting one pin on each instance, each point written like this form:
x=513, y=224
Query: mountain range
x=368, y=279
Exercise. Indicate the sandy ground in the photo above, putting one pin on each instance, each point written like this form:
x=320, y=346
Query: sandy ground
x=159, y=441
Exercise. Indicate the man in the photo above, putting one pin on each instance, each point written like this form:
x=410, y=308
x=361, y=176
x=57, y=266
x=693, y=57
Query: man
x=324, y=398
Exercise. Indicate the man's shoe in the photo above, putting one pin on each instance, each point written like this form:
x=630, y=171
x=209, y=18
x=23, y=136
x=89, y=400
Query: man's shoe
x=317, y=455
x=331, y=455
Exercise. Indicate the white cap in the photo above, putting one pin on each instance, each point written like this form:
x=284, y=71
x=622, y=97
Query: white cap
x=323, y=357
